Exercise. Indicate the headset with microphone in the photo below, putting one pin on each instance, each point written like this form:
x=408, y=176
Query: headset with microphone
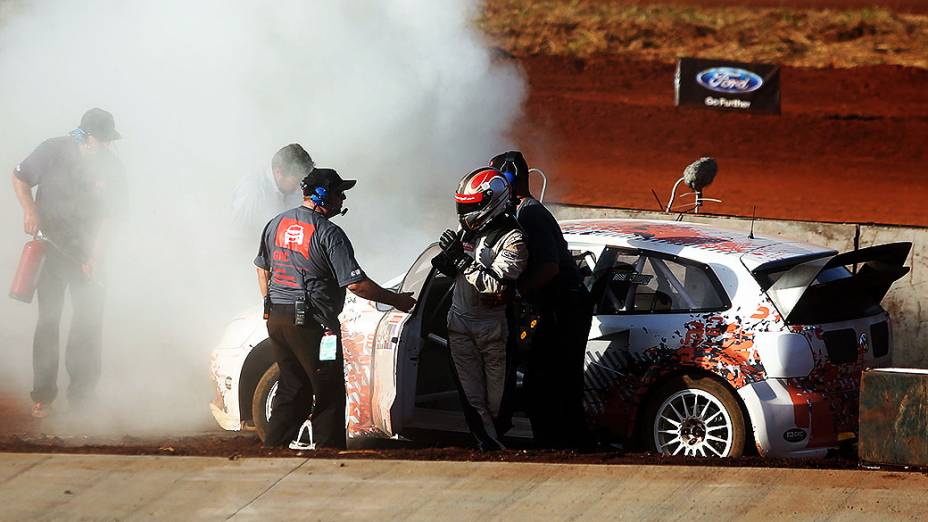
x=509, y=170
x=318, y=197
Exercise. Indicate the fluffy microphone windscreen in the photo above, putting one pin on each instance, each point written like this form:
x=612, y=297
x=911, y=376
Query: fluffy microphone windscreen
x=700, y=173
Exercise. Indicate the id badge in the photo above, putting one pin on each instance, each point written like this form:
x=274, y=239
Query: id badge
x=328, y=347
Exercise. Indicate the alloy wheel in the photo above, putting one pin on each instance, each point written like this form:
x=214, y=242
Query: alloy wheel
x=268, y=404
x=694, y=423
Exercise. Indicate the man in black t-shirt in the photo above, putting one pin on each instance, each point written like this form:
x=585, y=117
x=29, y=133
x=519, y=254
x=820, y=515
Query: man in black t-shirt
x=552, y=285
x=307, y=262
x=80, y=189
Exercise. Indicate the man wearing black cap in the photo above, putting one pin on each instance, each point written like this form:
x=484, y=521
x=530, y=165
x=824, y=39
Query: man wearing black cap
x=305, y=262
x=552, y=285
x=80, y=187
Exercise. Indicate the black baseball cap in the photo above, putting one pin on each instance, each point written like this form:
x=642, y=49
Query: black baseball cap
x=327, y=178
x=100, y=124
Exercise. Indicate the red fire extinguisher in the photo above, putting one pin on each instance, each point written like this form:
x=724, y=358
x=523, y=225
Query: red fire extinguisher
x=30, y=266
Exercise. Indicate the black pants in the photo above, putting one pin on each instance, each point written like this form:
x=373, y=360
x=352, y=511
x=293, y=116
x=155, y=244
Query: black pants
x=82, y=356
x=308, y=387
x=513, y=360
x=554, y=373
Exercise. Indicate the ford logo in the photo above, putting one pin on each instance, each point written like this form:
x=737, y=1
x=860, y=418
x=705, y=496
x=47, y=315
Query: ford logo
x=729, y=80
x=794, y=435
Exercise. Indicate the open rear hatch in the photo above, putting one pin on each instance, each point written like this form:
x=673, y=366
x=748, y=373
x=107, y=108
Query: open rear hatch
x=833, y=287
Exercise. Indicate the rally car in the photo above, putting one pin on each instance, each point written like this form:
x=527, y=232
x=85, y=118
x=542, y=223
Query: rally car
x=705, y=342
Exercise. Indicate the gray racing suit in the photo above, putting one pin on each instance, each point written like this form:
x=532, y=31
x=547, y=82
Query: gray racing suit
x=477, y=327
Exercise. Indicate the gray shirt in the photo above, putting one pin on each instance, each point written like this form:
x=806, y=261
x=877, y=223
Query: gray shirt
x=75, y=194
x=308, y=257
x=256, y=199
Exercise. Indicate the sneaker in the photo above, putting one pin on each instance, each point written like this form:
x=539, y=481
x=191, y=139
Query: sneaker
x=40, y=410
x=304, y=438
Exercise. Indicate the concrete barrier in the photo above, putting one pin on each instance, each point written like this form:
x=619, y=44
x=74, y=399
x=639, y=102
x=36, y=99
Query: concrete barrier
x=904, y=301
x=896, y=435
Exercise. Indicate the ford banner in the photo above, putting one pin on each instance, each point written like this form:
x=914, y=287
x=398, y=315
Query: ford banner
x=731, y=86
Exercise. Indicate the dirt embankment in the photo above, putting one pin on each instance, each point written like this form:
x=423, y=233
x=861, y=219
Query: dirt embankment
x=849, y=145
x=600, y=115
x=786, y=34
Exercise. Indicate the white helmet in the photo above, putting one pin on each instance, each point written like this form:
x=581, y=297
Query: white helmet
x=482, y=195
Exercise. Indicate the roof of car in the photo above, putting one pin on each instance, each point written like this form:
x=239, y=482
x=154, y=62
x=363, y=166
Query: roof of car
x=674, y=236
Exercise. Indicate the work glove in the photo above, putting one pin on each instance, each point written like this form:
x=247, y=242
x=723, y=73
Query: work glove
x=453, y=248
x=444, y=265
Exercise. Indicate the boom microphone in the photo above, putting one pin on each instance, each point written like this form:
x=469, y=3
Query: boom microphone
x=700, y=173
x=343, y=212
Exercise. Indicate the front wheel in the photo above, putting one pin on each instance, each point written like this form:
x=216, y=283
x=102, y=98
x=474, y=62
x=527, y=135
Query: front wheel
x=263, y=400
x=697, y=417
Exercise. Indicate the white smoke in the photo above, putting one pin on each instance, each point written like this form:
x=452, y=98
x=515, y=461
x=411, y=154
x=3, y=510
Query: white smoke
x=403, y=95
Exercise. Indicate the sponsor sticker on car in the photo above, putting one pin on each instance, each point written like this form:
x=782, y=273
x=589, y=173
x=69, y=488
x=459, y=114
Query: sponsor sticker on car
x=794, y=435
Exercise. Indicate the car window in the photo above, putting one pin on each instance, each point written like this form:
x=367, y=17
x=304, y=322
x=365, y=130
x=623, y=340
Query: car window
x=614, y=289
x=641, y=282
x=415, y=278
x=419, y=271
x=586, y=261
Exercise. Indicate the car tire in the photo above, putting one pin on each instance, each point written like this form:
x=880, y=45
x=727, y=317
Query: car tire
x=261, y=401
x=695, y=416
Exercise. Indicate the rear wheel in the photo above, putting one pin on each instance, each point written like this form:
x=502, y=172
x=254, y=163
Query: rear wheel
x=697, y=417
x=263, y=400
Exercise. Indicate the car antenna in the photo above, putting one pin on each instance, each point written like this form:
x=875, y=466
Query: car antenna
x=753, y=216
x=660, y=206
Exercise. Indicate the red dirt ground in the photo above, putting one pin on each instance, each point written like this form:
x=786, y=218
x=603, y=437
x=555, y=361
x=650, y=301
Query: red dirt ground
x=20, y=433
x=850, y=144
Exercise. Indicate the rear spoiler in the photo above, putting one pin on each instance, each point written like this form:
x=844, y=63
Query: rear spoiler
x=875, y=269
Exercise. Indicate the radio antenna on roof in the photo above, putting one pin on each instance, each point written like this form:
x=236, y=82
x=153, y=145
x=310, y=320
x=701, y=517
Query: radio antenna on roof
x=753, y=216
x=660, y=206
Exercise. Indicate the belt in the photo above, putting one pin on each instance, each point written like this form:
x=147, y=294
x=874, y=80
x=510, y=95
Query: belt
x=290, y=309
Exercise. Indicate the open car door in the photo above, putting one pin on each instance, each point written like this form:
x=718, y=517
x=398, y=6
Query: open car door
x=396, y=352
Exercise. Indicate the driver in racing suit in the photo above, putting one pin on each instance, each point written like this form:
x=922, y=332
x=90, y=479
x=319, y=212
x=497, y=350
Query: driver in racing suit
x=485, y=258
